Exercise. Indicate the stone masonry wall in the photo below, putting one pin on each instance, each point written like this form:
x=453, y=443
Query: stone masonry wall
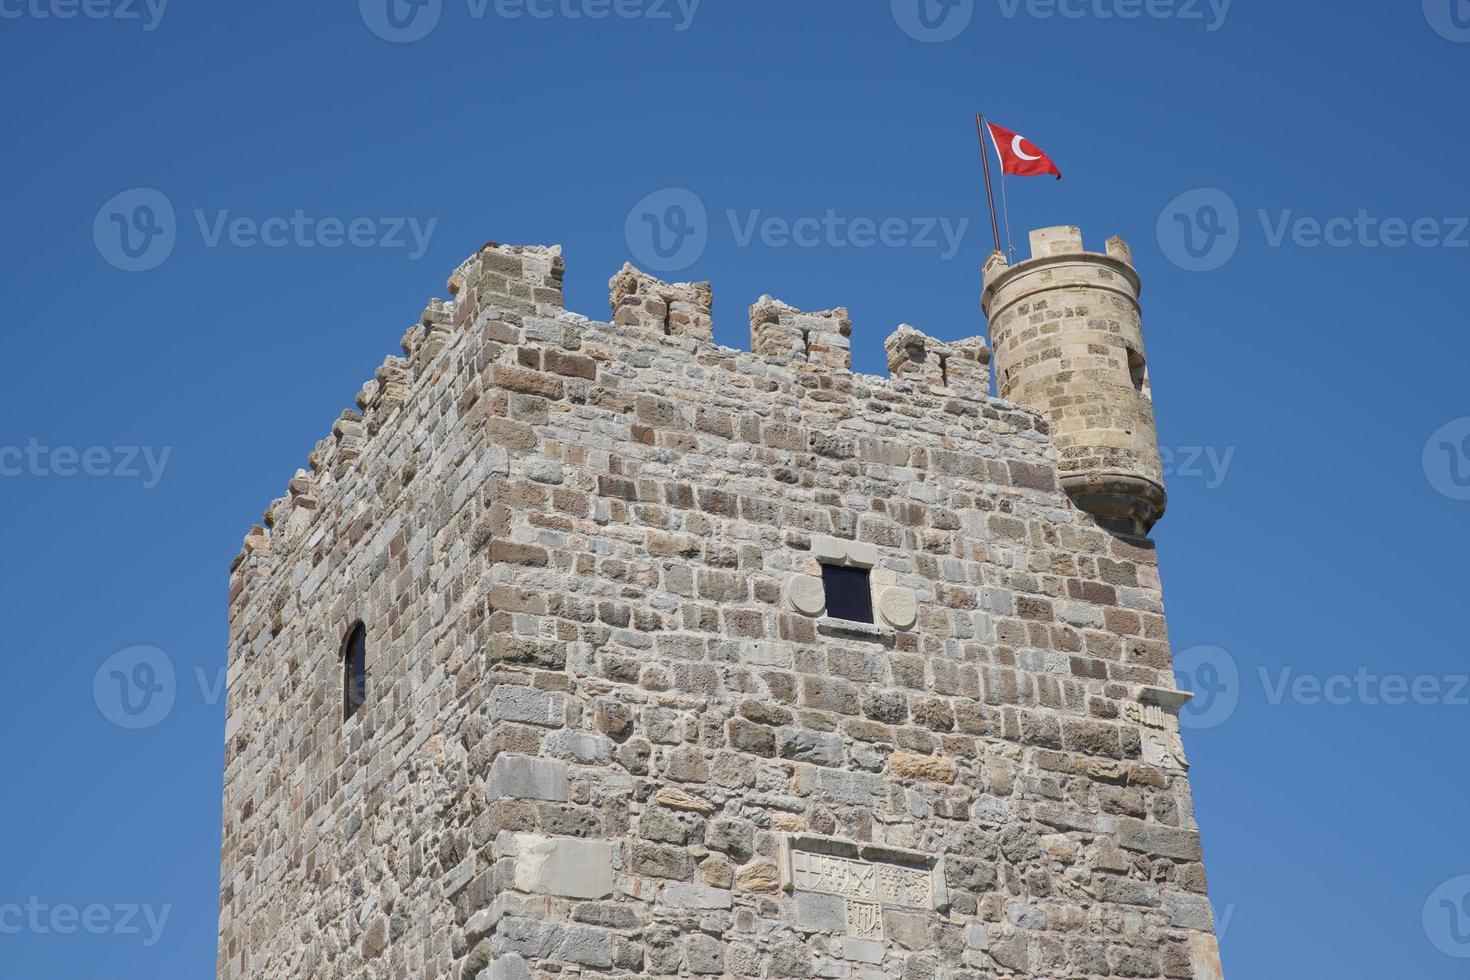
x=608, y=731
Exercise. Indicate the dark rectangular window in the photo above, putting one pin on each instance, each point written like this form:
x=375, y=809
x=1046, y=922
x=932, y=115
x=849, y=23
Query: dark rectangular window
x=354, y=671
x=848, y=595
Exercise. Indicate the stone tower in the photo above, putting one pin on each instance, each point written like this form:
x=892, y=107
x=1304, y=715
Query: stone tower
x=1069, y=343
x=597, y=649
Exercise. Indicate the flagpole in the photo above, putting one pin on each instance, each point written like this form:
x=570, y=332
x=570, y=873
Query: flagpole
x=989, y=191
x=1005, y=209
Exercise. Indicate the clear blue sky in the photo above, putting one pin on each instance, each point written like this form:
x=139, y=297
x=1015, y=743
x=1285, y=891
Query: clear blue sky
x=1298, y=383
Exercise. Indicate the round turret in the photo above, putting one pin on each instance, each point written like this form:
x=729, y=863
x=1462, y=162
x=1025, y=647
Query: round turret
x=1068, y=340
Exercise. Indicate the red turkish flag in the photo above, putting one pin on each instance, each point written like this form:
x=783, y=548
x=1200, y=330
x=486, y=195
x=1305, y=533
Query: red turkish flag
x=1018, y=155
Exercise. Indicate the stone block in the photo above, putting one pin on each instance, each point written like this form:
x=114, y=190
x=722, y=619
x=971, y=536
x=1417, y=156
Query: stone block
x=509, y=702
x=1189, y=911
x=589, y=947
x=758, y=878
x=509, y=967
x=804, y=745
x=1125, y=891
x=584, y=747
x=826, y=548
x=565, y=866
x=1204, y=957
x=705, y=955
x=1158, y=839
x=842, y=787
x=821, y=913
x=907, y=765
x=683, y=896
x=677, y=799
x=527, y=778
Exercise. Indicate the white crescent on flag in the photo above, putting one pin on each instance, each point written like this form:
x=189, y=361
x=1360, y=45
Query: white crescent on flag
x=1016, y=149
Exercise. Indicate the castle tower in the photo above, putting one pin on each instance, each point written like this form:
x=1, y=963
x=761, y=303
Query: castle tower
x=1068, y=341
x=595, y=649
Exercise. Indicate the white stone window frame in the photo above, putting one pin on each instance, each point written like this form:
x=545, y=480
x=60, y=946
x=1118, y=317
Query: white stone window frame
x=895, y=608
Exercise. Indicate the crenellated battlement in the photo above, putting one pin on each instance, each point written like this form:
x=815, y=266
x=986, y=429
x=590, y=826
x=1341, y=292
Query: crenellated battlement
x=510, y=296
x=818, y=340
x=963, y=365
x=680, y=309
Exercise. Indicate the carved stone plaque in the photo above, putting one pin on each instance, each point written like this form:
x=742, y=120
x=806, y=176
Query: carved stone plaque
x=1164, y=749
x=869, y=877
x=806, y=594
x=834, y=876
x=900, y=607
x=1150, y=715
x=864, y=920
x=1158, y=712
x=905, y=886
